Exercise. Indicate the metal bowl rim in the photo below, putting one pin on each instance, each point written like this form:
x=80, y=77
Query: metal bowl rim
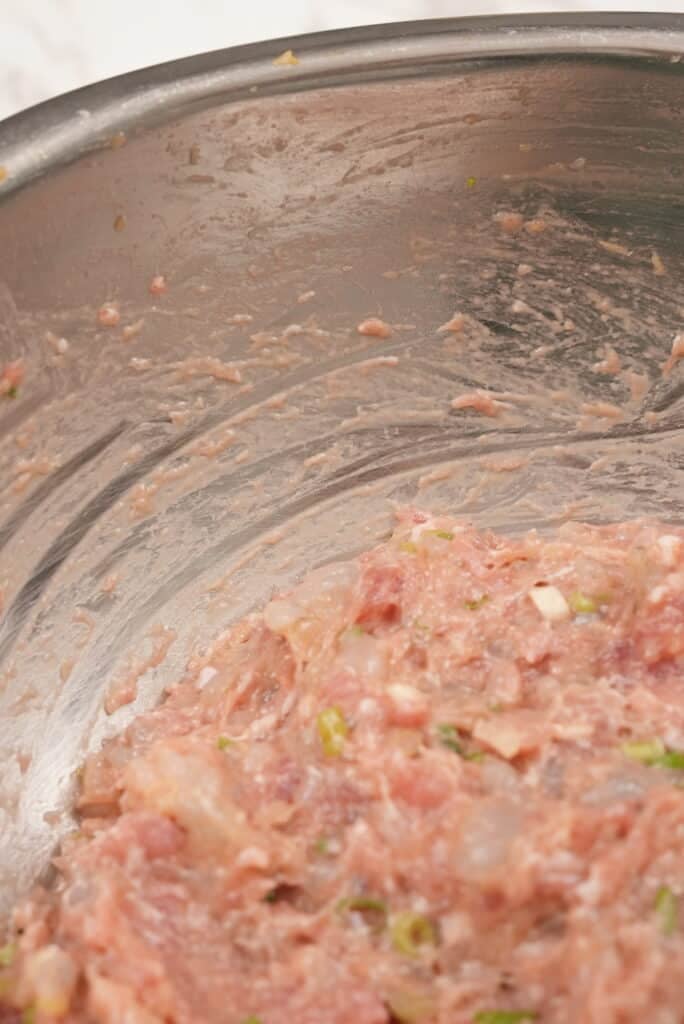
x=57, y=131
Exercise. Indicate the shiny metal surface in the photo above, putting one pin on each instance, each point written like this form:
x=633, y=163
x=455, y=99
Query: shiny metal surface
x=142, y=489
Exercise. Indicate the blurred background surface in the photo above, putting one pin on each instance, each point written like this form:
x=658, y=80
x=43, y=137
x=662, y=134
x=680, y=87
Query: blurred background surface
x=50, y=46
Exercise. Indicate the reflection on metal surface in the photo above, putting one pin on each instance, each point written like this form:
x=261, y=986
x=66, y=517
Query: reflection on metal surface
x=462, y=170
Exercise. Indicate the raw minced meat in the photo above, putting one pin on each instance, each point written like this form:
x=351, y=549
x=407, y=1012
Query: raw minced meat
x=440, y=784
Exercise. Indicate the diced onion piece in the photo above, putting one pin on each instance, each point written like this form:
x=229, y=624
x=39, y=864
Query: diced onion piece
x=550, y=603
x=282, y=613
x=488, y=834
x=411, y=1005
x=409, y=706
x=411, y=932
x=670, y=547
x=332, y=730
x=52, y=975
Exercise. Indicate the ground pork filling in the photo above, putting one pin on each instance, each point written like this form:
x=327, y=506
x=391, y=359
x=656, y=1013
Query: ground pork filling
x=441, y=783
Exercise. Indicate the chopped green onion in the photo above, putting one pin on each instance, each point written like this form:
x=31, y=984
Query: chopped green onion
x=655, y=753
x=475, y=755
x=581, y=604
x=476, y=603
x=29, y=1015
x=449, y=738
x=645, y=751
x=470, y=182
x=410, y=931
x=673, y=759
x=332, y=730
x=442, y=534
x=252, y=1019
x=409, y=547
x=667, y=909
x=7, y=954
x=12, y=393
x=271, y=896
x=504, y=1016
x=362, y=903
x=321, y=845
x=223, y=743
x=421, y=626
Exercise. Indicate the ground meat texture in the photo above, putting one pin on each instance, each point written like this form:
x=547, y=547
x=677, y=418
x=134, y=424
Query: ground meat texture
x=439, y=784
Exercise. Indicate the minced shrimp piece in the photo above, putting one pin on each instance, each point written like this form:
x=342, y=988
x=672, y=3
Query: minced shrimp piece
x=439, y=783
x=374, y=328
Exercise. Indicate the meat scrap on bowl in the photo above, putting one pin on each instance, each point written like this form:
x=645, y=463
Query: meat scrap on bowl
x=441, y=783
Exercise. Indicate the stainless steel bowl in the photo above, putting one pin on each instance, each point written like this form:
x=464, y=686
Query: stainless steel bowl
x=142, y=490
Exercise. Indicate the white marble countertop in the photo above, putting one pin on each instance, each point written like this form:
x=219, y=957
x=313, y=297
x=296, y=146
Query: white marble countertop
x=50, y=46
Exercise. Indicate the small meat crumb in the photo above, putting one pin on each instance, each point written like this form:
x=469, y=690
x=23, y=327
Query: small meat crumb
x=60, y=345
x=108, y=315
x=510, y=223
x=453, y=326
x=657, y=264
x=480, y=402
x=610, y=363
x=110, y=583
x=604, y=410
x=11, y=378
x=535, y=226
x=638, y=384
x=676, y=354
x=305, y=296
x=374, y=328
x=614, y=247
x=131, y=331
x=157, y=285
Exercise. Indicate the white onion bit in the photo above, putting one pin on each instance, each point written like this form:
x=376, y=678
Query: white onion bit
x=550, y=603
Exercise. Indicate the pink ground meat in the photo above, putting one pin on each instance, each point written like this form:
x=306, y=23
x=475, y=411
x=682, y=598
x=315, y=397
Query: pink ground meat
x=439, y=784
